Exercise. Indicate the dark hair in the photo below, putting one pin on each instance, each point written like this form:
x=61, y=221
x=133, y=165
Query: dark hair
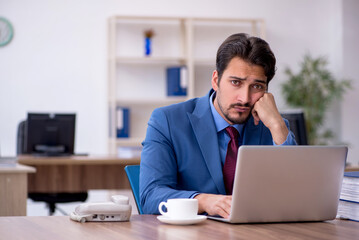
x=251, y=49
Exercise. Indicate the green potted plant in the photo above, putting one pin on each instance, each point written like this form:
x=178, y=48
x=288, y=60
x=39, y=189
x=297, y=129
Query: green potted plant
x=313, y=89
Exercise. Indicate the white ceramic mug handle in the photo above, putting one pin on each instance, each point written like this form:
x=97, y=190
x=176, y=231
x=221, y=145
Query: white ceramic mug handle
x=160, y=208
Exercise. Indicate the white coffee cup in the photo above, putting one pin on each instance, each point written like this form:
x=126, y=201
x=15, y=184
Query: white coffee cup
x=180, y=208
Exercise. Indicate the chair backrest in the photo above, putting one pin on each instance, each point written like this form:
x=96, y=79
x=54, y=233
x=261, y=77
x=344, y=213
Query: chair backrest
x=20, y=141
x=297, y=126
x=133, y=175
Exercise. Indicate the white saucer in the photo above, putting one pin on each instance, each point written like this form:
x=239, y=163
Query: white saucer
x=197, y=219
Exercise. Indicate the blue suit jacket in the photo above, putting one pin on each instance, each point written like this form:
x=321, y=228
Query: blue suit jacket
x=180, y=155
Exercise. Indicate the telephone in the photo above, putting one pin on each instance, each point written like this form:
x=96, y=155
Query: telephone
x=118, y=209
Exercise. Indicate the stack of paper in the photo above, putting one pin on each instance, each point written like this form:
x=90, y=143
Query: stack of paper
x=129, y=151
x=349, y=197
x=8, y=161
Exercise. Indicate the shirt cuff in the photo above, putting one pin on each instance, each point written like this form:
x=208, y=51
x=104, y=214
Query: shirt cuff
x=194, y=195
x=289, y=141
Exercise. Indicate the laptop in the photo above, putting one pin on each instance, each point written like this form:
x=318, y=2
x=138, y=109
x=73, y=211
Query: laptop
x=287, y=184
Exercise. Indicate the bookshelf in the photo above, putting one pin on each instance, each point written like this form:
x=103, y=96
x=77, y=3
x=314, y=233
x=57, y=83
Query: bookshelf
x=139, y=82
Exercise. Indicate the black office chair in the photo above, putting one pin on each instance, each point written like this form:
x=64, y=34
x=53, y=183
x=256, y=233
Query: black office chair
x=297, y=126
x=51, y=199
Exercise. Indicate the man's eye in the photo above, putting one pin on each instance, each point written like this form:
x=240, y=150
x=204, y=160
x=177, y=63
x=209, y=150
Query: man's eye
x=258, y=87
x=235, y=82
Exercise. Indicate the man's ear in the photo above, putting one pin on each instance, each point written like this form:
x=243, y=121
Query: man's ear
x=215, y=80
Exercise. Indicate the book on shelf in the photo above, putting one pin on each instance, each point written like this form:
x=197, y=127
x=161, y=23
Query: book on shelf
x=349, y=197
x=122, y=122
x=177, y=81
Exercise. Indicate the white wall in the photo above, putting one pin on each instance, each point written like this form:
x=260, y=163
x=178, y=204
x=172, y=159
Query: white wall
x=350, y=106
x=57, y=59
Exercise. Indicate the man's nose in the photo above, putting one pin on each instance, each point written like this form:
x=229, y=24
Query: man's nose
x=243, y=95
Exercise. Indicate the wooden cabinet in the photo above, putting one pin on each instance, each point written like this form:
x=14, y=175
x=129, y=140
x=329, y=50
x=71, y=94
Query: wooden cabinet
x=13, y=189
x=138, y=82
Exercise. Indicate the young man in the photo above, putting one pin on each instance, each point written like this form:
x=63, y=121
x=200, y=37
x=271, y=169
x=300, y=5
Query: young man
x=186, y=145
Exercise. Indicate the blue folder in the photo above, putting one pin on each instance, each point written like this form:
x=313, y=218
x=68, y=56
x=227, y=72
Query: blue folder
x=122, y=122
x=177, y=81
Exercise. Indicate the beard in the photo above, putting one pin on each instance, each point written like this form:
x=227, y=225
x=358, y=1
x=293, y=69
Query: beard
x=237, y=117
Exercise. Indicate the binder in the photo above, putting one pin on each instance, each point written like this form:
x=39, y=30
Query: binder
x=177, y=81
x=122, y=122
x=354, y=175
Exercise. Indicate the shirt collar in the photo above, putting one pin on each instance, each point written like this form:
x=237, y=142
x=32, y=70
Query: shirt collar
x=219, y=120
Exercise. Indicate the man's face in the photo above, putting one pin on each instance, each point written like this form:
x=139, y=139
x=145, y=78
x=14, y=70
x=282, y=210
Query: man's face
x=241, y=86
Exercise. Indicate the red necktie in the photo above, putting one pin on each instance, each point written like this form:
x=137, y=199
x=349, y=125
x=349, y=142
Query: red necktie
x=229, y=167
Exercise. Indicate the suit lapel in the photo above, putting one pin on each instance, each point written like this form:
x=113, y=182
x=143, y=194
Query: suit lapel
x=205, y=131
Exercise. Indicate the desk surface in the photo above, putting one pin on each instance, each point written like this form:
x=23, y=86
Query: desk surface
x=352, y=168
x=148, y=227
x=17, y=168
x=76, y=160
x=77, y=173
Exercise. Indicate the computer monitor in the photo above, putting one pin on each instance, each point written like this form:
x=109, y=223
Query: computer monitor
x=297, y=126
x=50, y=134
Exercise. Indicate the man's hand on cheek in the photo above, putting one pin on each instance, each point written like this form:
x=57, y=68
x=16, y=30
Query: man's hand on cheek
x=265, y=110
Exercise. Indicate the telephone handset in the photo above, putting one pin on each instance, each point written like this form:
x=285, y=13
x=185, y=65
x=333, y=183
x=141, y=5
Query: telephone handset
x=118, y=209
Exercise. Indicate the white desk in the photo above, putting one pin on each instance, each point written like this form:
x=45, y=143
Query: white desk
x=13, y=189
